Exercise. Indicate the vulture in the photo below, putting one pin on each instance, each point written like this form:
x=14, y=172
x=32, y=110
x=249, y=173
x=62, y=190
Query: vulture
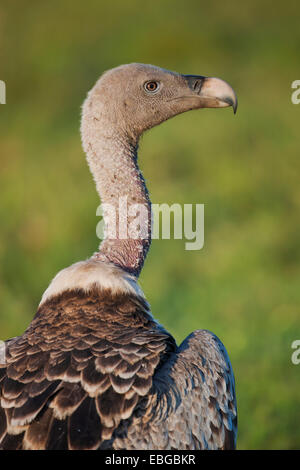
x=94, y=369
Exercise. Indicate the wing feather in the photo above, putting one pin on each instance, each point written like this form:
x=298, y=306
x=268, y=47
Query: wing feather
x=193, y=399
x=85, y=426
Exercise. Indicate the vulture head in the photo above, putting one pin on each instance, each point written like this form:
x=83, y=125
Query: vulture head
x=135, y=97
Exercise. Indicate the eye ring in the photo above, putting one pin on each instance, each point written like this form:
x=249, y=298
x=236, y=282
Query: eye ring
x=151, y=86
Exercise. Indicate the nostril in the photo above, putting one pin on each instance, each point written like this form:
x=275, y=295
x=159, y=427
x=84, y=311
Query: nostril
x=198, y=85
x=195, y=82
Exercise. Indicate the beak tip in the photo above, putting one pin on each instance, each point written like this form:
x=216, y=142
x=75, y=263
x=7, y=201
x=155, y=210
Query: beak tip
x=232, y=102
x=235, y=106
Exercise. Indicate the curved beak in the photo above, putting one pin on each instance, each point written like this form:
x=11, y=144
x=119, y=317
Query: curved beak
x=212, y=92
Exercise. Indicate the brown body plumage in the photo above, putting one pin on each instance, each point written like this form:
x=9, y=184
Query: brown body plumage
x=94, y=370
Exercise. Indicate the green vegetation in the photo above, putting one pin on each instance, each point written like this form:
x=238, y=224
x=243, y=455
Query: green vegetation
x=245, y=283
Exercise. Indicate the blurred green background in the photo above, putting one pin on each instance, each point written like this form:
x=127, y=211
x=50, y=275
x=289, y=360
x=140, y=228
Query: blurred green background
x=244, y=284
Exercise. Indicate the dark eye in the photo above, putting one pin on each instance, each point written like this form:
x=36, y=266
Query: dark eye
x=151, y=86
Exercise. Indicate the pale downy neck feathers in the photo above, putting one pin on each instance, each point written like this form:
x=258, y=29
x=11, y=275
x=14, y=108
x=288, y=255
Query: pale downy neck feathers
x=86, y=275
